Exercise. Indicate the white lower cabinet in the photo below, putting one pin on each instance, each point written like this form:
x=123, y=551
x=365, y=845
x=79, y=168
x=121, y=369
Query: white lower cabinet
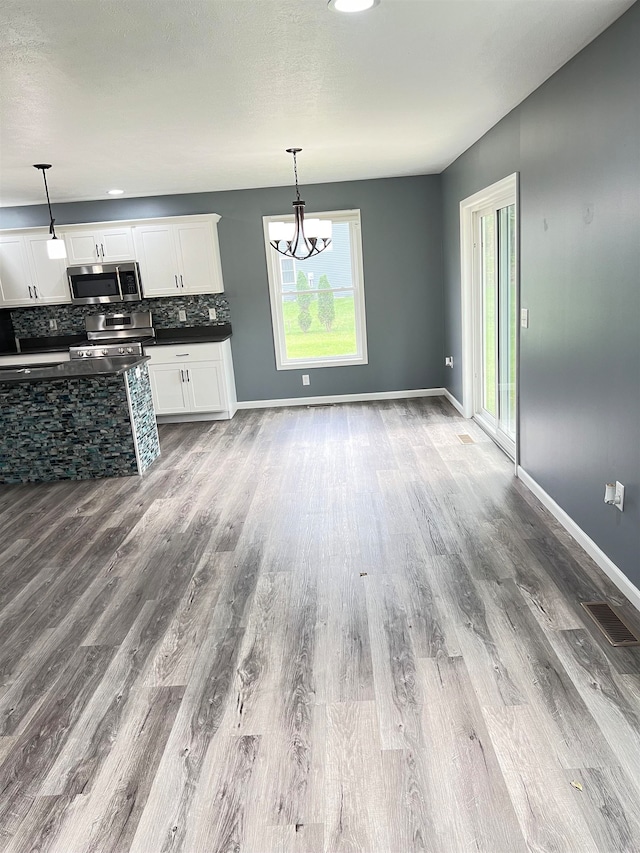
x=169, y=389
x=205, y=386
x=192, y=382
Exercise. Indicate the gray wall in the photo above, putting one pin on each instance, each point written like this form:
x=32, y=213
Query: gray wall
x=576, y=143
x=402, y=248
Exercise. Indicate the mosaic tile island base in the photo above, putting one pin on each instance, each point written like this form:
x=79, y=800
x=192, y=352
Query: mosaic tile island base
x=77, y=428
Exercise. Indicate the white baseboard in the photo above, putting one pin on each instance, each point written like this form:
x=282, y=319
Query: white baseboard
x=597, y=554
x=195, y=417
x=455, y=403
x=341, y=398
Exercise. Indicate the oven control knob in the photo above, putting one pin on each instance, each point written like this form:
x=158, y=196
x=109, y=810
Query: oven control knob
x=105, y=352
x=85, y=353
x=121, y=350
x=130, y=349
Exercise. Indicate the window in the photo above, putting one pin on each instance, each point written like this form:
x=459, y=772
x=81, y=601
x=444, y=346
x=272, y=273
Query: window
x=317, y=306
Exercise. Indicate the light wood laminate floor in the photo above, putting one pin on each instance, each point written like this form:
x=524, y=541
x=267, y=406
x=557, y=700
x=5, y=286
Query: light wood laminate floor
x=312, y=629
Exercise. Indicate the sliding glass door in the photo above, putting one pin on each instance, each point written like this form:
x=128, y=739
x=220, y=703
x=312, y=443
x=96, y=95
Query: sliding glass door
x=495, y=322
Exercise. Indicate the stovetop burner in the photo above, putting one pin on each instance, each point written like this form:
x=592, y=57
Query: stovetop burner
x=112, y=335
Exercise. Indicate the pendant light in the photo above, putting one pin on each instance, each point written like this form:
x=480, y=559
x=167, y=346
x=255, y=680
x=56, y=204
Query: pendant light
x=299, y=239
x=55, y=248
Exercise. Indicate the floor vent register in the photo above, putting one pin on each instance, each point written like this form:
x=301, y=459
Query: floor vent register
x=465, y=438
x=617, y=632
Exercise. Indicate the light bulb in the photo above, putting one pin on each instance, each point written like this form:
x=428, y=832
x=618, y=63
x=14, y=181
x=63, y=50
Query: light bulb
x=56, y=249
x=311, y=227
x=281, y=231
x=324, y=229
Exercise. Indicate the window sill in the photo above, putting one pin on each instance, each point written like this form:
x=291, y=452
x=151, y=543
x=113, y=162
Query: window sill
x=305, y=364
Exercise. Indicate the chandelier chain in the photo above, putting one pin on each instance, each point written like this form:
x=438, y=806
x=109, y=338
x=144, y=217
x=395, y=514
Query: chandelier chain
x=295, y=172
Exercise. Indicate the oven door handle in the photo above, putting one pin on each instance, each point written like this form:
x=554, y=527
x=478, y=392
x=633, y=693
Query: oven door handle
x=119, y=284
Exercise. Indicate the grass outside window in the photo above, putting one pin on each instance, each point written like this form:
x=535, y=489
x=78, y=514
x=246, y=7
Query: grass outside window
x=318, y=342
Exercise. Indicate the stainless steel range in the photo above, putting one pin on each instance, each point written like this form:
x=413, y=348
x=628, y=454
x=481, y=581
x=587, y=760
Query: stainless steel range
x=113, y=335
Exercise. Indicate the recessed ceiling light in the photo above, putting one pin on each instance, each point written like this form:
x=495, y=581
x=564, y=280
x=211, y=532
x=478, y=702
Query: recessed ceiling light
x=115, y=192
x=352, y=5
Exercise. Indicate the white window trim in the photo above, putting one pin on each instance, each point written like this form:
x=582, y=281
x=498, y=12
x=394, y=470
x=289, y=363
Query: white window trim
x=357, y=272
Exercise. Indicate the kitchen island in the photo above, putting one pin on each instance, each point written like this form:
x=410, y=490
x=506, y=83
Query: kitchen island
x=77, y=420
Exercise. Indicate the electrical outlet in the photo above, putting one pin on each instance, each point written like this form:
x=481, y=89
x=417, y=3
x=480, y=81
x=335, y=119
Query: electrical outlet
x=448, y=362
x=53, y=324
x=182, y=315
x=305, y=378
x=524, y=318
x=213, y=314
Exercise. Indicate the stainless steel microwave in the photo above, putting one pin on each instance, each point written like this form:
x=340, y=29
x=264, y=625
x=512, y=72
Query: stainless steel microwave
x=97, y=283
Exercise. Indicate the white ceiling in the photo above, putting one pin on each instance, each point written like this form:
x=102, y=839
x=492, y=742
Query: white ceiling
x=175, y=96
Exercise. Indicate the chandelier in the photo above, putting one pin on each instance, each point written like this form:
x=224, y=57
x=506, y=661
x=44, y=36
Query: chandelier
x=55, y=248
x=299, y=239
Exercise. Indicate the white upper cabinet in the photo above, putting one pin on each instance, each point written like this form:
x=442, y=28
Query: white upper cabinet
x=156, y=254
x=99, y=245
x=28, y=276
x=179, y=256
x=49, y=276
x=199, y=257
x=14, y=271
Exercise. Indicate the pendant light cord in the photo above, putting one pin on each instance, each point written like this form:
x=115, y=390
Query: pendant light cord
x=42, y=168
x=46, y=189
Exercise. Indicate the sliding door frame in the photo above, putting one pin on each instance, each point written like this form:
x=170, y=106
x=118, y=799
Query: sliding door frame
x=507, y=191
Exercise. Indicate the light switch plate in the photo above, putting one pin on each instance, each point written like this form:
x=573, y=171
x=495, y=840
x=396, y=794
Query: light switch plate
x=182, y=315
x=53, y=324
x=212, y=314
x=524, y=318
x=619, y=496
x=305, y=378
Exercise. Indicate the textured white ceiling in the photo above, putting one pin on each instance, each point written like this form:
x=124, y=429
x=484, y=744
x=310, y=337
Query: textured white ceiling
x=175, y=96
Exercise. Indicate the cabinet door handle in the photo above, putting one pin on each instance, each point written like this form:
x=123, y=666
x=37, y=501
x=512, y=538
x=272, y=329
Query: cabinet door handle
x=102, y=250
x=181, y=281
x=30, y=294
x=188, y=377
x=182, y=354
x=176, y=278
x=182, y=375
x=97, y=252
x=35, y=292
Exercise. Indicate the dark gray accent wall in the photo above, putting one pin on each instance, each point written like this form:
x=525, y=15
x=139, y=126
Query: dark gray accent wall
x=402, y=248
x=576, y=143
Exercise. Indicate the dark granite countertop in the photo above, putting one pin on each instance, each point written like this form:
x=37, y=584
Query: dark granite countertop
x=183, y=334
x=193, y=334
x=76, y=369
x=55, y=343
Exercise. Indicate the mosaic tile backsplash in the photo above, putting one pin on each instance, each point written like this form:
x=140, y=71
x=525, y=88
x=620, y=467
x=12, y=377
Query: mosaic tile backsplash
x=34, y=322
x=75, y=429
x=143, y=416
